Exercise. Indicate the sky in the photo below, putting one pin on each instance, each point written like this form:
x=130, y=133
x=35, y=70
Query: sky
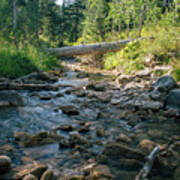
x=59, y=2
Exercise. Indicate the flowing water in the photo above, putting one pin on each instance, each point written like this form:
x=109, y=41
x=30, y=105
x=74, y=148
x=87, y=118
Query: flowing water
x=41, y=113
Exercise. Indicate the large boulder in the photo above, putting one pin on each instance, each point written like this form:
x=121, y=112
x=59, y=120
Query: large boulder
x=165, y=84
x=173, y=99
x=5, y=163
x=10, y=98
x=117, y=150
x=101, y=172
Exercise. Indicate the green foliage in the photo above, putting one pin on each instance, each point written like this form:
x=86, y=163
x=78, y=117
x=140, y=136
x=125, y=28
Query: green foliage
x=15, y=63
x=164, y=49
x=128, y=59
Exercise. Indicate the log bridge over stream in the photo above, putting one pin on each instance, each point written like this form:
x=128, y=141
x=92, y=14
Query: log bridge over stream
x=98, y=48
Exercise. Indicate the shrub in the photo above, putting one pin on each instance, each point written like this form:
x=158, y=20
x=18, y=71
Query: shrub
x=19, y=62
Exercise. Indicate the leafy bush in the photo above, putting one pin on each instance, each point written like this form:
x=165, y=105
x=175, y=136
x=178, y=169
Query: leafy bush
x=164, y=48
x=19, y=62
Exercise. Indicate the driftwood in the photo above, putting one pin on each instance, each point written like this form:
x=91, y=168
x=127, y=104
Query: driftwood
x=99, y=48
x=22, y=86
x=148, y=165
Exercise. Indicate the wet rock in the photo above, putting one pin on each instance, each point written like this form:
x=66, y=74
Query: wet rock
x=155, y=133
x=96, y=87
x=6, y=148
x=158, y=96
x=30, y=177
x=84, y=129
x=75, y=138
x=64, y=143
x=124, y=79
x=47, y=175
x=77, y=177
x=22, y=138
x=45, y=76
x=171, y=112
x=100, y=132
x=69, y=110
x=45, y=97
x=35, y=169
x=175, y=146
x=26, y=159
x=38, y=170
x=123, y=138
x=5, y=164
x=42, y=138
x=116, y=150
x=144, y=73
x=10, y=98
x=177, y=174
x=26, y=140
x=130, y=164
x=101, y=172
x=165, y=83
x=149, y=105
x=147, y=144
x=59, y=94
x=66, y=127
x=173, y=99
x=126, y=175
x=80, y=93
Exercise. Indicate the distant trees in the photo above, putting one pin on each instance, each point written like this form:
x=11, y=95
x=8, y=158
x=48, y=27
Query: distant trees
x=46, y=23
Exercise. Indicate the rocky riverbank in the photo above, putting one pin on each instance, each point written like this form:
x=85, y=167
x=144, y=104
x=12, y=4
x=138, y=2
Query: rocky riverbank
x=80, y=125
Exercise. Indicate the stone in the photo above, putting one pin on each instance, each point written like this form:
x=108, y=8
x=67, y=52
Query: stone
x=45, y=97
x=5, y=164
x=26, y=140
x=75, y=138
x=96, y=87
x=158, y=96
x=10, y=98
x=123, y=138
x=38, y=170
x=117, y=150
x=69, y=110
x=124, y=79
x=130, y=164
x=22, y=136
x=165, y=83
x=6, y=148
x=100, y=132
x=143, y=73
x=144, y=104
x=80, y=93
x=173, y=99
x=64, y=143
x=100, y=171
x=66, y=127
x=147, y=144
x=47, y=175
x=155, y=133
x=177, y=174
x=30, y=177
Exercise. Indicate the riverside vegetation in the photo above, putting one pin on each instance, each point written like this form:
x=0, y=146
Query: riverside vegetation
x=96, y=117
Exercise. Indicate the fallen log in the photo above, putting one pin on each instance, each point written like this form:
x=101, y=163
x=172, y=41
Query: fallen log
x=148, y=165
x=99, y=48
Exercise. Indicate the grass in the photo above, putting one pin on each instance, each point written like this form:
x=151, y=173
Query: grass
x=164, y=49
x=19, y=62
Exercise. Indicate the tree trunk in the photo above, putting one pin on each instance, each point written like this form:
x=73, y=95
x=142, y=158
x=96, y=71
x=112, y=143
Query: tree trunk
x=15, y=16
x=99, y=48
x=142, y=19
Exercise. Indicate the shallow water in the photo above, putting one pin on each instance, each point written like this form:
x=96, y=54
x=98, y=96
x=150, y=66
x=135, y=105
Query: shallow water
x=39, y=115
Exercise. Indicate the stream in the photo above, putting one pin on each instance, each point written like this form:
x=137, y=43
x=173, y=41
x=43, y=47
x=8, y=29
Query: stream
x=88, y=112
